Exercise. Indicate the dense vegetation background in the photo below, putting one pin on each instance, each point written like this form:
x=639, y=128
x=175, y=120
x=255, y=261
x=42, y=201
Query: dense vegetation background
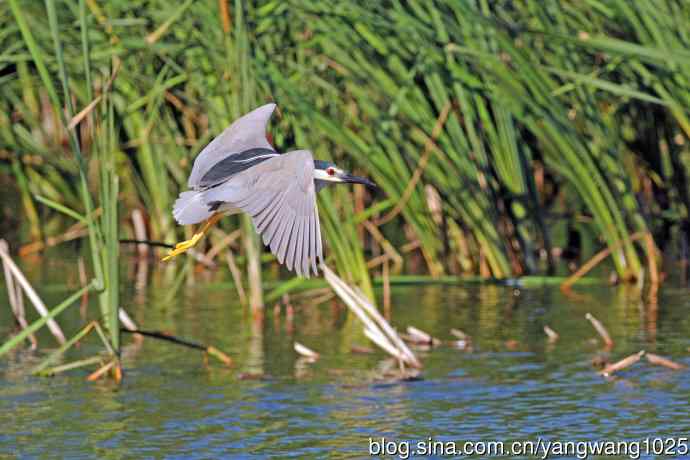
x=505, y=135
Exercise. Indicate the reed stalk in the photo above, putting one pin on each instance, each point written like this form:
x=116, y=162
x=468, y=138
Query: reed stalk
x=36, y=325
x=18, y=277
x=531, y=121
x=103, y=234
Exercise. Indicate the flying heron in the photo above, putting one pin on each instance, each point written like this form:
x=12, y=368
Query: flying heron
x=239, y=171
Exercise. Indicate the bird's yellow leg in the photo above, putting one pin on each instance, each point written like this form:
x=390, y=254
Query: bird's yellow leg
x=190, y=243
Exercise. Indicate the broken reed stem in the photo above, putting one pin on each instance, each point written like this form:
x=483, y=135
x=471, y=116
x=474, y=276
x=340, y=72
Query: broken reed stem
x=60, y=351
x=661, y=361
x=464, y=341
x=651, y=251
x=362, y=350
x=40, y=322
x=101, y=371
x=350, y=301
x=600, y=329
x=596, y=259
x=126, y=320
x=213, y=351
x=419, y=336
x=315, y=300
x=385, y=245
x=378, y=260
x=19, y=297
x=253, y=257
x=459, y=334
x=78, y=230
x=104, y=338
x=386, y=290
x=553, y=335
x=117, y=371
x=30, y=293
x=306, y=352
x=140, y=231
x=225, y=242
x=69, y=366
x=219, y=355
x=224, y=15
x=622, y=364
x=16, y=298
x=386, y=328
x=83, y=280
x=83, y=113
x=236, y=276
x=411, y=246
x=154, y=36
x=385, y=344
x=9, y=281
x=374, y=323
x=311, y=294
x=653, y=270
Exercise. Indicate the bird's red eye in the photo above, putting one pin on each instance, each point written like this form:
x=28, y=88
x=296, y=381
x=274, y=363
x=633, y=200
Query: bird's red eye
x=330, y=171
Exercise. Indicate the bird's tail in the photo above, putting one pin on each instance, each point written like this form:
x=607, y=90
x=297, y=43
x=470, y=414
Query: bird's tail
x=190, y=208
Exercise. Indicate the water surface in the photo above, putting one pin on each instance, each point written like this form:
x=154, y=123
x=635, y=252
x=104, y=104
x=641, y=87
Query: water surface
x=512, y=385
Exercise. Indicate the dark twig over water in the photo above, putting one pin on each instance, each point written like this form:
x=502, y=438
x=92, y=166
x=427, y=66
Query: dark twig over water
x=211, y=350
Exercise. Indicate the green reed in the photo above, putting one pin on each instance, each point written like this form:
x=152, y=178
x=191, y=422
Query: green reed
x=103, y=231
x=526, y=121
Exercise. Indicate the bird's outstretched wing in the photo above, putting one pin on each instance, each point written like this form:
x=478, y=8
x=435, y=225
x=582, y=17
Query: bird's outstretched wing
x=246, y=133
x=280, y=195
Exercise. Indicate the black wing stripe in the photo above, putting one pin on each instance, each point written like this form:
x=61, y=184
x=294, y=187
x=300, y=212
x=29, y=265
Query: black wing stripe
x=228, y=167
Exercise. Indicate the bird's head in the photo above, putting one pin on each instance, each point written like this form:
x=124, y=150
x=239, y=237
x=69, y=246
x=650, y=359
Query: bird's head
x=328, y=173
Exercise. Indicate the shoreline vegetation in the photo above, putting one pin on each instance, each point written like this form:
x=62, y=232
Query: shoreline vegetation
x=512, y=140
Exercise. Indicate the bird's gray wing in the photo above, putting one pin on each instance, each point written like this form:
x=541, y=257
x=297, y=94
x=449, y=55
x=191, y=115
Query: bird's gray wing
x=280, y=195
x=245, y=133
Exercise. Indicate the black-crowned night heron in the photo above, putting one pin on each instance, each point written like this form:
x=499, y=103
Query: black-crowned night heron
x=239, y=171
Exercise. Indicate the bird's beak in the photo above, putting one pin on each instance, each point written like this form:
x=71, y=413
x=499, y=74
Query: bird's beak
x=350, y=179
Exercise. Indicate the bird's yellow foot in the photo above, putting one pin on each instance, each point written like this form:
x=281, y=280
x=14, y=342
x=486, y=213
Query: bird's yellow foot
x=184, y=246
x=190, y=243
